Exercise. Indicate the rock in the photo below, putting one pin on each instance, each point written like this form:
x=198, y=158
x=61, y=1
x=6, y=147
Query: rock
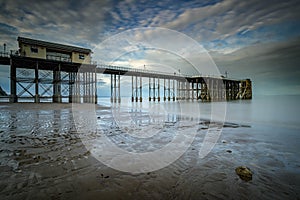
x=102, y=176
x=244, y=173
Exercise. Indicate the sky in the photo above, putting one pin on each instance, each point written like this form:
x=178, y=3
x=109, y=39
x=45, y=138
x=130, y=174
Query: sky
x=252, y=39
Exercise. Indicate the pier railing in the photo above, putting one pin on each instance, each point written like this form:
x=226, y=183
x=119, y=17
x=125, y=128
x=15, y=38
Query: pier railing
x=4, y=54
x=132, y=69
x=136, y=70
x=7, y=54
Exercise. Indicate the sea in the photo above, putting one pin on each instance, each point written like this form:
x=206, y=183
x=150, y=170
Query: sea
x=47, y=151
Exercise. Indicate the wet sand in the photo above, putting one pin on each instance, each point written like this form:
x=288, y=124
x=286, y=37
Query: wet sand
x=42, y=157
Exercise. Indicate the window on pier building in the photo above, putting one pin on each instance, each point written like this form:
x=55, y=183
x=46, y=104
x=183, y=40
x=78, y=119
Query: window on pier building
x=34, y=49
x=81, y=56
x=60, y=56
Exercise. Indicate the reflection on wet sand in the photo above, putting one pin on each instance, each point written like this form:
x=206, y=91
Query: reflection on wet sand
x=42, y=157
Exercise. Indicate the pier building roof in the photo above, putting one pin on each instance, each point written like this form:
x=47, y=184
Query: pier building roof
x=53, y=46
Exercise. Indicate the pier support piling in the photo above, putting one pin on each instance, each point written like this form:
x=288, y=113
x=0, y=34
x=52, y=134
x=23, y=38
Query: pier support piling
x=115, y=88
x=36, y=77
x=13, y=83
x=137, y=89
x=57, y=85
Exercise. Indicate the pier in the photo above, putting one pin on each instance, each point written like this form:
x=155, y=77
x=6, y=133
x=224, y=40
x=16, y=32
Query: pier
x=57, y=72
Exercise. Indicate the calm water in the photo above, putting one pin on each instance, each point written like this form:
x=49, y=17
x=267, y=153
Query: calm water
x=281, y=111
x=272, y=118
x=262, y=112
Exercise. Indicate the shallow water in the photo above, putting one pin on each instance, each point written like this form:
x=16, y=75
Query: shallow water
x=42, y=153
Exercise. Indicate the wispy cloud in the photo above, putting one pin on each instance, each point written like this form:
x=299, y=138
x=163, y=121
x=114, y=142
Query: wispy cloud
x=255, y=38
x=92, y=21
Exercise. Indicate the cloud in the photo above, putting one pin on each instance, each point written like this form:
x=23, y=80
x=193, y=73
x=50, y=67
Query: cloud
x=87, y=23
x=228, y=18
x=156, y=47
x=238, y=23
x=247, y=38
x=61, y=21
x=272, y=67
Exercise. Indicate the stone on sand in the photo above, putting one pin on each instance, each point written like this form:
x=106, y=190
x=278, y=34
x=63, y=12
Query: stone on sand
x=244, y=173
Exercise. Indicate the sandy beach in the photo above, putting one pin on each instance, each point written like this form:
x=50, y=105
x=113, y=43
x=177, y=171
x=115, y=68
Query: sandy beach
x=43, y=157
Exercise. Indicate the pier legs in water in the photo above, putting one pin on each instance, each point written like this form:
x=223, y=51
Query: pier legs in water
x=60, y=83
x=83, y=87
x=168, y=89
x=115, y=89
x=136, y=89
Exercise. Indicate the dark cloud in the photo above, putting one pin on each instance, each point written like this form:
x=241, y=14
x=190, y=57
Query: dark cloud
x=62, y=21
x=274, y=67
x=7, y=35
